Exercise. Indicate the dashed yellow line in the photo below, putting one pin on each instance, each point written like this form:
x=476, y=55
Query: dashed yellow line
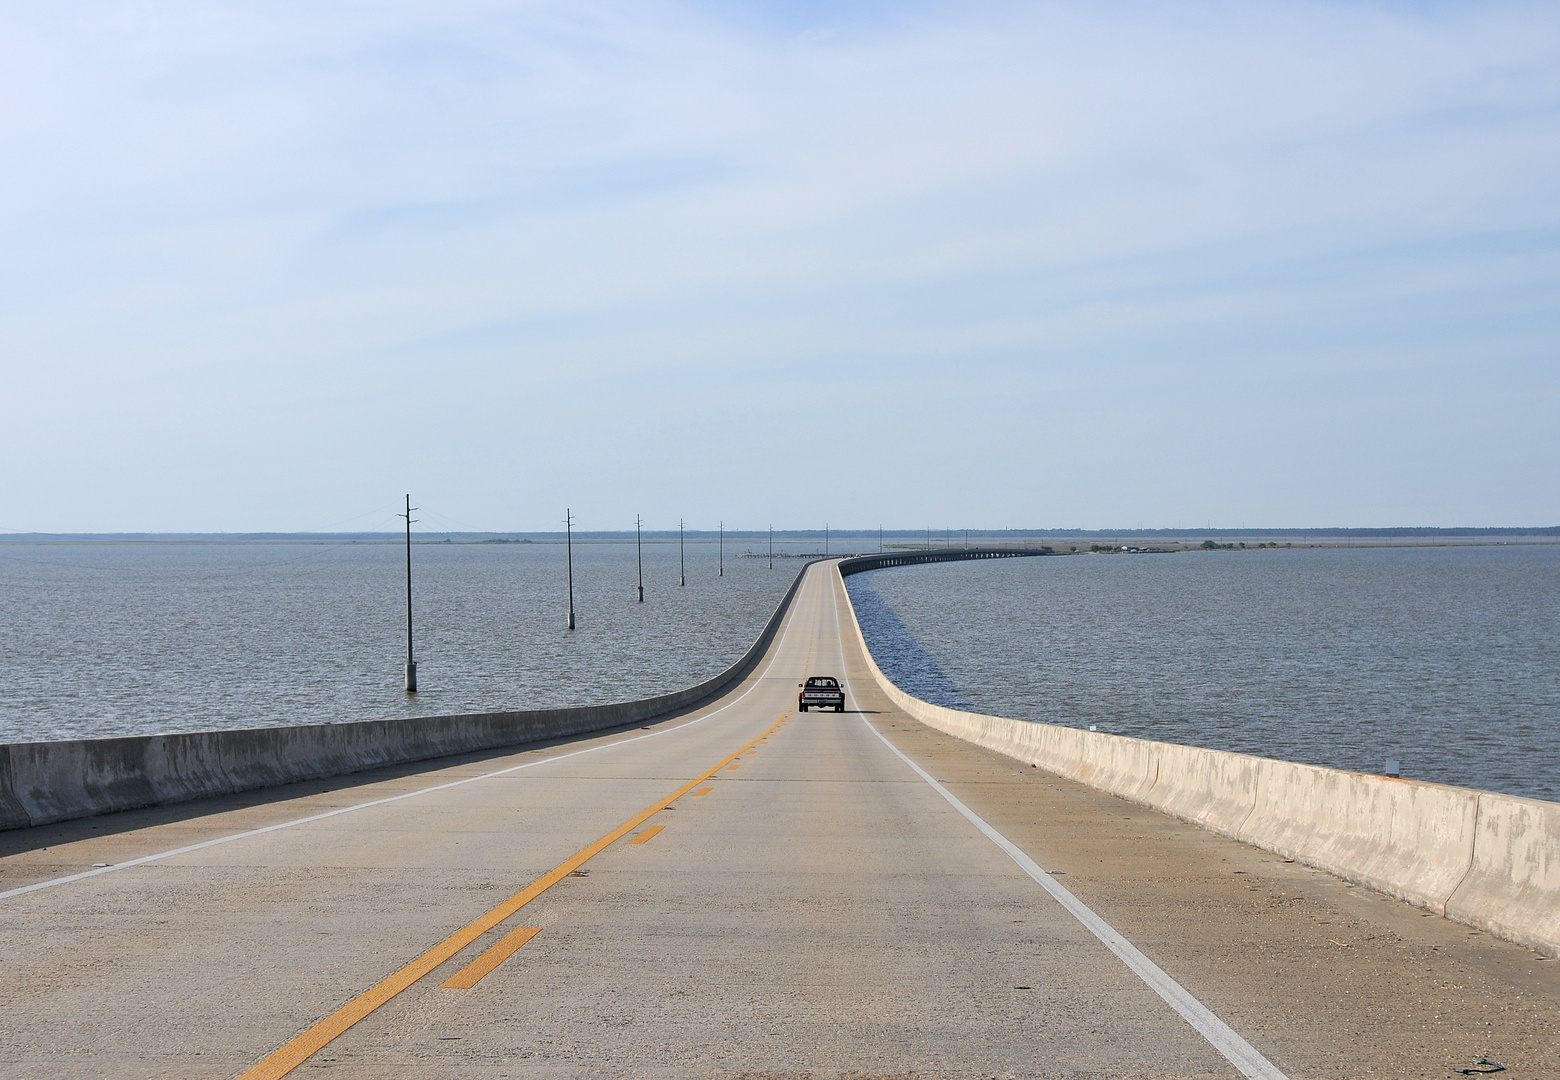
x=288, y=1057
x=507, y=946
x=646, y=836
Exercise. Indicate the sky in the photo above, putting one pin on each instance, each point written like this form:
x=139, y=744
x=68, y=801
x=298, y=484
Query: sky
x=270, y=266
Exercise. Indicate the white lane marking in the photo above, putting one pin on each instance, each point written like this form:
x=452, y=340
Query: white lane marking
x=1220, y=1035
x=144, y=859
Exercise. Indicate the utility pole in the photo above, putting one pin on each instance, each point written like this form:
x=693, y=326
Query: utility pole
x=966, y=538
x=411, y=663
x=880, y=539
x=722, y=550
x=771, y=546
x=568, y=533
x=825, y=539
x=682, y=571
x=639, y=549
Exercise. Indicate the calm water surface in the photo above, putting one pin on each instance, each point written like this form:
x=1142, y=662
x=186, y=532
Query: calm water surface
x=122, y=638
x=1447, y=659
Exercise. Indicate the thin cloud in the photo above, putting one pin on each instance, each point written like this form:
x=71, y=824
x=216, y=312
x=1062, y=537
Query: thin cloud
x=263, y=234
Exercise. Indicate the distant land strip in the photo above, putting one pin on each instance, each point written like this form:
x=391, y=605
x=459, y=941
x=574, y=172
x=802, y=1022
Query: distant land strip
x=955, y=537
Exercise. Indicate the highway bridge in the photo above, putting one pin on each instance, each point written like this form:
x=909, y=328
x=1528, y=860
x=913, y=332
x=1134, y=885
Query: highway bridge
x=734, y=890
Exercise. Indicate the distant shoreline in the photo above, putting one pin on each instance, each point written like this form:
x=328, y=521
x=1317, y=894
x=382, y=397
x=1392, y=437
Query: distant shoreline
x=853, y=538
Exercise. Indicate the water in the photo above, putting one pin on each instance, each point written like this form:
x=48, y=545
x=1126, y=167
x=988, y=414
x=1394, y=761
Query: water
x=1447, y=659
x=126, y=638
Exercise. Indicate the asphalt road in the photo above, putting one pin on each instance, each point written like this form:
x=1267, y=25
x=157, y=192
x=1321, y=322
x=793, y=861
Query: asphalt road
x=743, y=890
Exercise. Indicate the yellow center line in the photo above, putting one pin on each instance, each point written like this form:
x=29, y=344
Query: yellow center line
x=288, y=1057
x=704, y=791
x=647, y=835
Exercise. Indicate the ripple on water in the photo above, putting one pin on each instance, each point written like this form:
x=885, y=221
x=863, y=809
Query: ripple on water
x=127, y=638
x=1447, y=659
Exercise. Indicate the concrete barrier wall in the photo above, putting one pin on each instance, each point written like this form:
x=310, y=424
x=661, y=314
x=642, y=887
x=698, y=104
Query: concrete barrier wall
x=1487, y=860
x=45, y=782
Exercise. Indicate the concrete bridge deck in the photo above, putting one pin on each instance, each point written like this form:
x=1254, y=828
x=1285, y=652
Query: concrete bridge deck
x=741, y=890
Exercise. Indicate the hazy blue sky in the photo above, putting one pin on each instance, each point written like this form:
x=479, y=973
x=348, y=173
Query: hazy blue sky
x=268, y=266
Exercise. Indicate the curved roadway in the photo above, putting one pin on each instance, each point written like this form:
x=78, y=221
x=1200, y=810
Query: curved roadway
x=738, y=891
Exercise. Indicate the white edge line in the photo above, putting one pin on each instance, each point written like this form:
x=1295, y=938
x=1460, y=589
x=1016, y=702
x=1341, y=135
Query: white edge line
x=1220, y=1035
x=38, y=886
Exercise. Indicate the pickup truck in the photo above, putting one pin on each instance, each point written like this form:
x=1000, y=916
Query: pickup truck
x=820, y=691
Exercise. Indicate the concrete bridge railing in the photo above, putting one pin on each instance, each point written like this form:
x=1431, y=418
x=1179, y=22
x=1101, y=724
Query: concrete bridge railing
x=1488, y=860
x=43, y=782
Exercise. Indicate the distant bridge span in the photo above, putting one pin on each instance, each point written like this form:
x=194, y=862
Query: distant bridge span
x=860, y=564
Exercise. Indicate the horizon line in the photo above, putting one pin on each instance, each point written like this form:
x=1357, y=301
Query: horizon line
x=792, y=535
